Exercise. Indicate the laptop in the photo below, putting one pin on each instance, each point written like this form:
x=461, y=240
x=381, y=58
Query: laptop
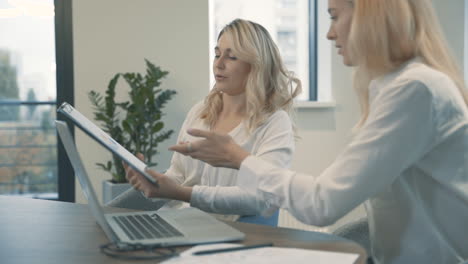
x=162, y=228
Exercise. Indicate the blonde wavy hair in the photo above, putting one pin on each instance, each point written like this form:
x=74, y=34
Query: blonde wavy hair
x=387, y=33
x=269, y=87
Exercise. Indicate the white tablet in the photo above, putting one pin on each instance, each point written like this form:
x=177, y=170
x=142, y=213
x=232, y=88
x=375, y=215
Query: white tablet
x=103, y=138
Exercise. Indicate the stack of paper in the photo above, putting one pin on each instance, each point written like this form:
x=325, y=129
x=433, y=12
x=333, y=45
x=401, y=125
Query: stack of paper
x=270, y=255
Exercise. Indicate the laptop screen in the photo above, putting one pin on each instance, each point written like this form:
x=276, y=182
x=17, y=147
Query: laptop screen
x=80, y=172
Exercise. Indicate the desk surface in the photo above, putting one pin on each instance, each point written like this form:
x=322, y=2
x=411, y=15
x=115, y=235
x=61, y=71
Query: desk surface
x=38, y=231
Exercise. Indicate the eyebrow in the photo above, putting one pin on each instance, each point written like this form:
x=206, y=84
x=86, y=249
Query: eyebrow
x=217, y=49
x=330, y=10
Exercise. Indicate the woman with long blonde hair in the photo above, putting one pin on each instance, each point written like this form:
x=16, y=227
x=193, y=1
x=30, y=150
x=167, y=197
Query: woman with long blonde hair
x=251, y=101
x=408, y=160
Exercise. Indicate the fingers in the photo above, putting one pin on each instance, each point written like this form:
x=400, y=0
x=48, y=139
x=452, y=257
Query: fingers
x=140, y=156
x=129, y=172
x=177, y=148
x=139, y=182
x=132, y=176
x=199, y=133
x=182, y=148
x=189, y=147
x=125, y=166
x=154, y=174
x=133, y=180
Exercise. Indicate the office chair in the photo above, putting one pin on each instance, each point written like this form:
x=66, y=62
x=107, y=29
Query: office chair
x=260, y=220
x=357, y=231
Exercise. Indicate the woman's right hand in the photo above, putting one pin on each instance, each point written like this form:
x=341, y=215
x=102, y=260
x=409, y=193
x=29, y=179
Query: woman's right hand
x=216, y=149
x=166, y=187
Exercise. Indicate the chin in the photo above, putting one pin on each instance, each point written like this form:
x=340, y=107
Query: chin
x=233, y=93
x=348, y=62
x=229, y=90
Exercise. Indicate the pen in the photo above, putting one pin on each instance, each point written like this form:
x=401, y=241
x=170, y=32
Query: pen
x=222, y=250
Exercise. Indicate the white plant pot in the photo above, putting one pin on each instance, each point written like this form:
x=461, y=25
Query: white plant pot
x=111, y=190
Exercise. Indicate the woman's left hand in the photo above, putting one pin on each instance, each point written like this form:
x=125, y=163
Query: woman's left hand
x=165, y=187
x=216, y=149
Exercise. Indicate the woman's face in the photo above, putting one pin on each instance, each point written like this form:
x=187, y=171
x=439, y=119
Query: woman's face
x=230, y=73
x=341, y=13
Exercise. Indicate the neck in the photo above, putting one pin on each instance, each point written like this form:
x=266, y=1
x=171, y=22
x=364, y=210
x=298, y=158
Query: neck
x=234, y=105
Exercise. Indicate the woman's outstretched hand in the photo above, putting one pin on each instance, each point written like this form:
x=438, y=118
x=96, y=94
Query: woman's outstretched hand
x=166, y=187
x=216, y=149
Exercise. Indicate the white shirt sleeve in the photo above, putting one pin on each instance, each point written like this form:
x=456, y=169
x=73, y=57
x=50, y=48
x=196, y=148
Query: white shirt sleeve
x=228, y=200
x=398, y=132
x=276, y=145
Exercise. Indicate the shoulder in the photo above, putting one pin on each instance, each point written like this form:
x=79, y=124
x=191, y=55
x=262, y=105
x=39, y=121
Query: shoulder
x=196, y=110
x=423, y=79
x=413, y=80
x=429, y=77
x=277, y=122
x=279, y=117
x=419, y=90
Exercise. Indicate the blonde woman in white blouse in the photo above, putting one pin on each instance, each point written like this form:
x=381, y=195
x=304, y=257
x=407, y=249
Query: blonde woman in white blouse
x=251, y=102
x=408, y=160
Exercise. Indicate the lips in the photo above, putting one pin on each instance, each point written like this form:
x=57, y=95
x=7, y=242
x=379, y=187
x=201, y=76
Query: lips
x=219, y=77
x=339, y=49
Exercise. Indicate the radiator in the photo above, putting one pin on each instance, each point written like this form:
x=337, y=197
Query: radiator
x=289, y=221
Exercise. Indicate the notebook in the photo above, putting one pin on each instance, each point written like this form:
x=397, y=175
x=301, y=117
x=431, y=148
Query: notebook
x=165, y=227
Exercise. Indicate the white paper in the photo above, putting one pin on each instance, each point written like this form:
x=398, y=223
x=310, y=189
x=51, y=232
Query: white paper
x=270, y=255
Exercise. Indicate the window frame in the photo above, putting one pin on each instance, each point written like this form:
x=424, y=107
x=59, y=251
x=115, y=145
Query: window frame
x=313, y=47
x=65, y=91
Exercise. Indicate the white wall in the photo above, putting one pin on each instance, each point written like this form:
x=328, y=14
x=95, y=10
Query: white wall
x=452, y=17
x=115, y=35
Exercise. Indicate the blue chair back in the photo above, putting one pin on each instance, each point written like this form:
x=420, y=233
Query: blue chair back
x=260, y=220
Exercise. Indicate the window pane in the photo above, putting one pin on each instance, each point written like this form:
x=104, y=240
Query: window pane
x=286, y=20
x=28, y=159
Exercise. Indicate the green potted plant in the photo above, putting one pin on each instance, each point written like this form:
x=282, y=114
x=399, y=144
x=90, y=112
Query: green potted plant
x=136, y=123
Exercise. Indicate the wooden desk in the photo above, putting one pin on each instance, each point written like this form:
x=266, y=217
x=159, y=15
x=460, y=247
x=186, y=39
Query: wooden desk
x=39, y=231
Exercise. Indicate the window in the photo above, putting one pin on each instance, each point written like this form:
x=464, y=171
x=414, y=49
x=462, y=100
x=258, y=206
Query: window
x=465, y=55
x=29, y=59
x=291, y=23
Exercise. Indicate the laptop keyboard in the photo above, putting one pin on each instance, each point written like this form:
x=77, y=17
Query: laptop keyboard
x=143, y=226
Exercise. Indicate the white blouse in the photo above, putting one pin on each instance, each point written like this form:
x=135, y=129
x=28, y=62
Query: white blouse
x=214, y=189
x=409, y=161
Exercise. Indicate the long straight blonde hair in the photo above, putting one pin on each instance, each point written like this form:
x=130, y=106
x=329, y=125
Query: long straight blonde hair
x=269, y=85
x=387, y=33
